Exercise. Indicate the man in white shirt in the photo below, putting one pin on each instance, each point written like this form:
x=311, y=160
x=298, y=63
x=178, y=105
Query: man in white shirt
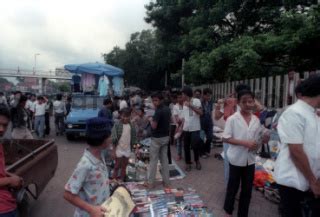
x=242, y=132
x=39, y=115
x=191, y=127
x=297, y=167
x=177, y=113
x=59, y=109
x=30, y=105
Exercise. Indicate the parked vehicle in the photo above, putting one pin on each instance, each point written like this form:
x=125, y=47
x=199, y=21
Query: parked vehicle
x=83, y=108
x=36, y=162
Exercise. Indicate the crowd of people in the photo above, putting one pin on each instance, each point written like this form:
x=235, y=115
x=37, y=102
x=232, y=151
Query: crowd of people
x=183, y=119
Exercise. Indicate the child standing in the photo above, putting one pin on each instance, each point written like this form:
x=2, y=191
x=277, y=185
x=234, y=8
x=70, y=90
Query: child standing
x=240, y=132
x=88, y=187
x=123, y=139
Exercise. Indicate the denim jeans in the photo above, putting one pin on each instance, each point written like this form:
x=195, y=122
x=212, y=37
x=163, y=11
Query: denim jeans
x=39, y=125
x=226, y=163
x=13, y=213
x=59, y=122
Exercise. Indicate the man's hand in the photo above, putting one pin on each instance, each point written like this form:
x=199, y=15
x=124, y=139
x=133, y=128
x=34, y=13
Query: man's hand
x=15, y=181
x=315, y=188
x=187, y=103
x=251, y=145
x=97, y=211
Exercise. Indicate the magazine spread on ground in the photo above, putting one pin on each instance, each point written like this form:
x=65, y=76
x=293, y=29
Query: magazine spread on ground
x=120, y=204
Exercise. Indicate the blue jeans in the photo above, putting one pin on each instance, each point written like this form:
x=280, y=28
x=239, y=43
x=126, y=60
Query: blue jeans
x=39, y=125
x=13, y=213
x=226, y=163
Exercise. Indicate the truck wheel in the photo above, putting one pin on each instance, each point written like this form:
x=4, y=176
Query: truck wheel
x=70, y=137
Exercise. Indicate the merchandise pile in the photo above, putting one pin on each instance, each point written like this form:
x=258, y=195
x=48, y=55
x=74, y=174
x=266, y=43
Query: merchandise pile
x=168, y=202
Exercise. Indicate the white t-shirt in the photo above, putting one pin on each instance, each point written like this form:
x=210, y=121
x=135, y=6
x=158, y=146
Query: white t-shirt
x=123, y=147
x=191, y=118
x=299, y=124
x=40, y=109
x=236, y=127
x=123, y=104
x=178, y=111
x=59, y=107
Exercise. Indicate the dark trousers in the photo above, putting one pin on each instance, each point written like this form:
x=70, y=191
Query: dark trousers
x=291, y=202
x=237, y=175
x=47, y=123
x=209, y=136
x=191, y=141
x=121, y=164
x=10, y=214
x=59, y=123
x=171, y=141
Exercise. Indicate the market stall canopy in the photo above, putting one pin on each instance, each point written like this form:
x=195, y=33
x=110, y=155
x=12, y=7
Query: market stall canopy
x=95, y=68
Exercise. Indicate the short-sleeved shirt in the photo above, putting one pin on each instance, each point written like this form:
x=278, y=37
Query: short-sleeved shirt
x=178, y=111
x=191, y=118
x=236, y=127
x=40, y=109
x=299, y=124
x=89, y=181
x=7, y=201
x=124, y=146
x=162, y=116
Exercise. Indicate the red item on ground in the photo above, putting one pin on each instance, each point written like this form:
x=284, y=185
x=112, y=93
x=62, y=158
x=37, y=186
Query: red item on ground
x=260, y=178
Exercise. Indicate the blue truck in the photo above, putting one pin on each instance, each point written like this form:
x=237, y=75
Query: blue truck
x=83, y=108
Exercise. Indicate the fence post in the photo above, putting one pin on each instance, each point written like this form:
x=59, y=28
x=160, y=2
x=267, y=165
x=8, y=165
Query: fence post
x=277, y=92
x=263, y=91
x=285, y=90
x=270, y=91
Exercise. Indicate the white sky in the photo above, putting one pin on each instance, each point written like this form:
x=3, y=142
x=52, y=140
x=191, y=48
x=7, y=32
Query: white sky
x=65, y=31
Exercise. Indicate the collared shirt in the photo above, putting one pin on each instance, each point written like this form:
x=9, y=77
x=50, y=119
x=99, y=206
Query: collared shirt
x=177, y=110
x=191, y=118
x=237, y=128
x=299, y=124
x=89, y=181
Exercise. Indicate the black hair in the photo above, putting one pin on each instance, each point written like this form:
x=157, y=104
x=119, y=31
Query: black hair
x=125, y=112
x=107, y=101
x=59, y=96
x=207, y=91
x=4, y=111
x=40, y=98
x=179, y=93
x=17, y=92
x=245, y=92
x=141, y=109
x=187, y=91
x=23, y=99
x=173, y=95
x=309, y=87
x=1, y=93
x=95, y=141
x=198, y=90
x=241, y=87
x=158, y=95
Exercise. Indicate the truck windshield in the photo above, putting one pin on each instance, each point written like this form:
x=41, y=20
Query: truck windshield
x=82, y=102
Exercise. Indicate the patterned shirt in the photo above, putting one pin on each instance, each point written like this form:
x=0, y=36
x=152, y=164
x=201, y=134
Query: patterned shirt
x=89, y=181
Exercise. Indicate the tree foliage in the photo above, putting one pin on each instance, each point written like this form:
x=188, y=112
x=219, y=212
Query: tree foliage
x=221, y=40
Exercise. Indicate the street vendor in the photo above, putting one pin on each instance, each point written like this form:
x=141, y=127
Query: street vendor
x=297, y=167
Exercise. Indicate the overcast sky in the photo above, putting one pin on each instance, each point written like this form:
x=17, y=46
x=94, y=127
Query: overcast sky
x=65, y=31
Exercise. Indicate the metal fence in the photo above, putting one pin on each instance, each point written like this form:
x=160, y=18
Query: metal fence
x=270, y=91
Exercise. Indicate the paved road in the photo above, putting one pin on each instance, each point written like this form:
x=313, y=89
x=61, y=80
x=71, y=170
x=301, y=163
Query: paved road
x=208, y=182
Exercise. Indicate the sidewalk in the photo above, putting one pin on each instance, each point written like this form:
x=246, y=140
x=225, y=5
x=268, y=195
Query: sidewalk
x=209, y=184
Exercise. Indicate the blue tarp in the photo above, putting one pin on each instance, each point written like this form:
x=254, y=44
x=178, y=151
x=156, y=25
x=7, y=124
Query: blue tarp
x=95, y=68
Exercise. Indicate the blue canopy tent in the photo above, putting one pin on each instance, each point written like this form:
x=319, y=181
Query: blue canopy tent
x=95, y=68
x=101, y=70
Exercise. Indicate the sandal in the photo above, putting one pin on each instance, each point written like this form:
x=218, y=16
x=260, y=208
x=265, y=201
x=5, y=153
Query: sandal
x=188, y=168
